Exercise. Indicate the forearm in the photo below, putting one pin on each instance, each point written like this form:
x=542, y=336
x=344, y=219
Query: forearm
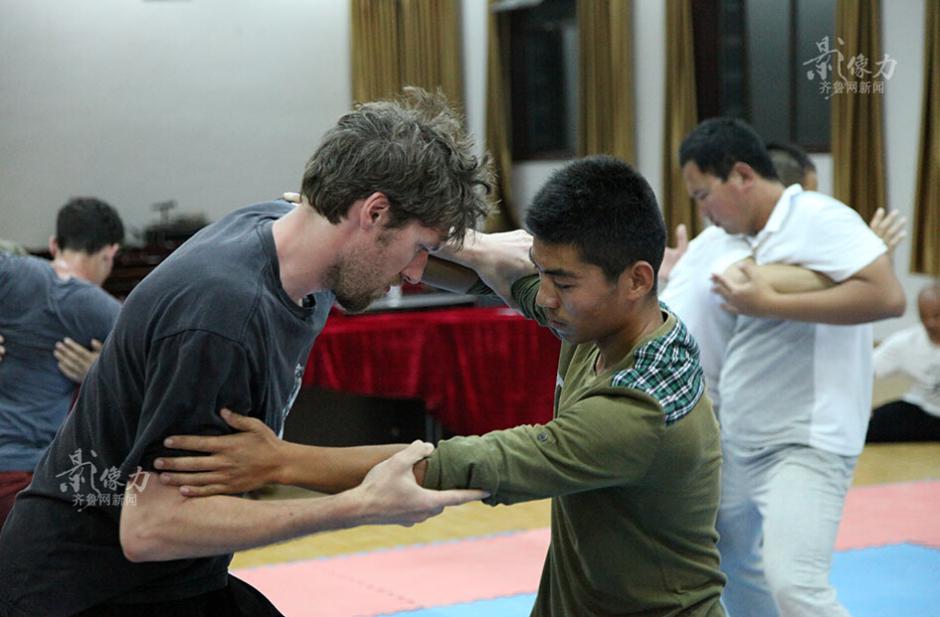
x=871, y=294
x=331, y=470
x=449, y=275
x=498, y=259
x=576, y=452
x=851, y=302
x=158, y=524
x=183, y=528
x=469, y=462
x=788, y=279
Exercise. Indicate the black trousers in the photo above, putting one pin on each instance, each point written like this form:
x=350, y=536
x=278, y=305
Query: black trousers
x=902, y=421
x=238, y=599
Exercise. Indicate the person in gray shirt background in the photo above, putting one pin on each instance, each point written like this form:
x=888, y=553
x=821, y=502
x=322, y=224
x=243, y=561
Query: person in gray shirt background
x=45, y=305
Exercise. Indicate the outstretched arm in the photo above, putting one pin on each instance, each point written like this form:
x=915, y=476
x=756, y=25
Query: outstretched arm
x=160, y=524
x=254, y=456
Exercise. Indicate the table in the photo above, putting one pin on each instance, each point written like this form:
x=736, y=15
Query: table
x=476, y=369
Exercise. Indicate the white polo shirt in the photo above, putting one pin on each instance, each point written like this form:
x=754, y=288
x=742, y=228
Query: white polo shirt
x=791, y=382
x=689, y=295
x=911, y=352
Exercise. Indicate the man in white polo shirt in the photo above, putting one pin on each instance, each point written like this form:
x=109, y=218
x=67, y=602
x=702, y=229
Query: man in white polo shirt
x=796, y=375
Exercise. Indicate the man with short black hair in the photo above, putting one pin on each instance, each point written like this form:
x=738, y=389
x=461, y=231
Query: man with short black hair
x=42, y=302
x=795, y=379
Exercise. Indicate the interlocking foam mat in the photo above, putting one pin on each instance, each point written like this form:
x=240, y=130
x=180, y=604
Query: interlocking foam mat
x=887, y=565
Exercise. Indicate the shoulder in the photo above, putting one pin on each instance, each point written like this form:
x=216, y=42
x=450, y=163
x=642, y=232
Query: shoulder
x=94, y=297
x=215, y=280
x=712, y=234
x=262, y=210
x=810, y=209
x=712, y=249
x=822, y=234
x=89, y=308
x=666, y=368
x=23, y=265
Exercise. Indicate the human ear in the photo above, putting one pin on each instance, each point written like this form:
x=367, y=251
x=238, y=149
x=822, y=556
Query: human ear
x=638, y=280
x=745, y=172
x=375, y=210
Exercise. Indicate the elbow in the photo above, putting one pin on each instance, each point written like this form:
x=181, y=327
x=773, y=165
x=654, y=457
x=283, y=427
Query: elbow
x=896, y=303
x=135, y=554
x=141, y=541
x=135, y=550
x=900, y=307
x=138, y=545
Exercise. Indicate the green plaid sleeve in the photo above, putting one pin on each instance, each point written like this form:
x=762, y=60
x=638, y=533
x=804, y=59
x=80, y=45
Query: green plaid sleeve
x=667, y=369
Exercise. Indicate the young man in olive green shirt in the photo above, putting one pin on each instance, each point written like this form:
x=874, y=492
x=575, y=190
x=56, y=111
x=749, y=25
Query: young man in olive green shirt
x=631, y=459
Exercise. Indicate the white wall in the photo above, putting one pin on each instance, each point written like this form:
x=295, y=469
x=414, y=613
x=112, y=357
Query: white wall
x=649, y=47
x=903, y=40
x=474, y=23
x=213, y=103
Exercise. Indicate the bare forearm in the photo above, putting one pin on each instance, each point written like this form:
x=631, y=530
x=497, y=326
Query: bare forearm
x=871, y=294
x=449, y=275
x=498, y=259
x=851, y=302
x=787, y=279
x=203, y=526
x=159, y=524
x=331, y=470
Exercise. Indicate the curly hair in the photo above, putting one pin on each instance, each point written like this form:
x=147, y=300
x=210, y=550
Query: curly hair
x=415, y=151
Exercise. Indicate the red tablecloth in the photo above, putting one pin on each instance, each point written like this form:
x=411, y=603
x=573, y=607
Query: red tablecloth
x=476, y=369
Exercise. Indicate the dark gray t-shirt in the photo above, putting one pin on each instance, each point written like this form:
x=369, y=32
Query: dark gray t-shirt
x=37, y=308
x=211, y=327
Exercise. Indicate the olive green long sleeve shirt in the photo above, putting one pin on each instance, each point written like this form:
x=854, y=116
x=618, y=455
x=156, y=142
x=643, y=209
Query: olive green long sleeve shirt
x=631, y=461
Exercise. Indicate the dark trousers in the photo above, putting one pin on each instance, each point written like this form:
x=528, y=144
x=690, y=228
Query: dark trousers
x=902, y=421
x=238, y=599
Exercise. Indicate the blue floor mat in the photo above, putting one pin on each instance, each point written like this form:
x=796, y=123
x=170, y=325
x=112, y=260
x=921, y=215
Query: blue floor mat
x=901, y=580
x=510, y=606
